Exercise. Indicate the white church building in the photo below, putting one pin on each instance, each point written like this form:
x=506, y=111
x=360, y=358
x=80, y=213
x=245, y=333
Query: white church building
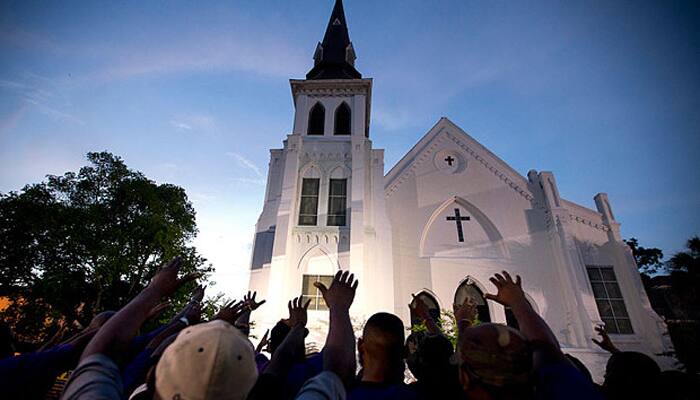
x=443, y=220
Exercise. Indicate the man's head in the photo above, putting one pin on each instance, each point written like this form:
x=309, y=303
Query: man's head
x=207, y=361
x=277, y=335
x=629, y=373
x=494, y=360
x=381, y=344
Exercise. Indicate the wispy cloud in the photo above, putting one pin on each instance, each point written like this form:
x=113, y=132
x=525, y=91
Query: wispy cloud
x=194, y=122
x=33, y=92
x=245, y=163
x=251, y=181
x=181, y=126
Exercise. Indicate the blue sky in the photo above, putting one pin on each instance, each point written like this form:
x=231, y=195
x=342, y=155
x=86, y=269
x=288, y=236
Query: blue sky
x=604, y=94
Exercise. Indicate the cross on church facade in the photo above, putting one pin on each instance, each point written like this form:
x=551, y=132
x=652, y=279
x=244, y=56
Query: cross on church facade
x=449, y=160
x=458, y=218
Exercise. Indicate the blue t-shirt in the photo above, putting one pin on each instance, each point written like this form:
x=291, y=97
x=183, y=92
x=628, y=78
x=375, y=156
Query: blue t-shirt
x=302, y=372
x=562, y=380
x=390, y=391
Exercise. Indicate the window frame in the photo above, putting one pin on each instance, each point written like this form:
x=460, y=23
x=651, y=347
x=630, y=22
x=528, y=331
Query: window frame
x=331, y=218
x=317, y=301
x=343, y=106
x=312, y=110
x=602, y=282
x=303, y=196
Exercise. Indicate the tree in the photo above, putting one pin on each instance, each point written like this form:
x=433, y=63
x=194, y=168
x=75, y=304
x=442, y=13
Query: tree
x=687, y=261
x=649, y=260
x=77, y=244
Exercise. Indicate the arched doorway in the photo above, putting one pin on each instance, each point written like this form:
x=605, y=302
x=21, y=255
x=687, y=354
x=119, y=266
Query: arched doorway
x=469, y=289
x=431, y=302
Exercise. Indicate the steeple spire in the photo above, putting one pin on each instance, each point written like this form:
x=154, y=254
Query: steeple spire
x=335, y=57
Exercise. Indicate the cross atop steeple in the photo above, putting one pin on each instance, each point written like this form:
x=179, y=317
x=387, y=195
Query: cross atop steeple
x=335, y=57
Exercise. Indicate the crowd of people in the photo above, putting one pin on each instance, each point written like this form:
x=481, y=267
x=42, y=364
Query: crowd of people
x=188, y=358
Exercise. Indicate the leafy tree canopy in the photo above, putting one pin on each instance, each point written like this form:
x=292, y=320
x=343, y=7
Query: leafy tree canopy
x=687, y=261
x=77, y=244
x=649, y=260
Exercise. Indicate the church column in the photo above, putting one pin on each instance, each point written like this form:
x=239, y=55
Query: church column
x=283, y=249
x=301, y=116
x=357, y=219
x=569, y=266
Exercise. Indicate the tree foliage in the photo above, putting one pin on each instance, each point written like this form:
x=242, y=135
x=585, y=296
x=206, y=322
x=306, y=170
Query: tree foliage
x=687, y=261
x=649, y=260
x=84, y=242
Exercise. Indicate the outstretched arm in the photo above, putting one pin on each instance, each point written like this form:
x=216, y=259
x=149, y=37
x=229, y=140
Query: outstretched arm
x=339, y=351
x=243, y=322
x=114, y=337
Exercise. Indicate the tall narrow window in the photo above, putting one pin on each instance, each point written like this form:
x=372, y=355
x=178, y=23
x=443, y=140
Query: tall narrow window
x=310, y=292
x=431, y=303
x=342, y=119
x=608, y=298
x=317, y=117
x=468, y=289
x=337, y=199
x=308, y=206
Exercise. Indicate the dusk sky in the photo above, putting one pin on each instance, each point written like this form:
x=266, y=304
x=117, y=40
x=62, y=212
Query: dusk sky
x=604, y=94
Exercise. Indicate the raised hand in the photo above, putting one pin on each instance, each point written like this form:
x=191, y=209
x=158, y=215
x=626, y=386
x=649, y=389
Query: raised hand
x=466, y=311
x=197, y=294
x=231, y=311
x=342, y=291
x=165, y=282
x=605, y=343
x=297, y=312
x=192, y=310
x=249, y=299
x=263, y=342
x=510, y=293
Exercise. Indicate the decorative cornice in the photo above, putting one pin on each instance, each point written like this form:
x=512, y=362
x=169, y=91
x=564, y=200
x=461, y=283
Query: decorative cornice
x=585, y=221
x=331, y=87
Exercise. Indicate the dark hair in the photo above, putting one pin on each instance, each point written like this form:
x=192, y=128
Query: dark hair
x=630, y=374
x=277, y=335
x=389, y=325
x=383, y=335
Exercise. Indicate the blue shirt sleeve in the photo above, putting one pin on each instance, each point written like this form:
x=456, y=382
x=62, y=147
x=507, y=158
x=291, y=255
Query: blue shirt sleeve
x=135, y=373
x=139, y=342
x=29, y=374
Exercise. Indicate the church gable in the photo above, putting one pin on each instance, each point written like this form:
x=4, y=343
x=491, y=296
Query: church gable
x=447, y=163
x=448, y=149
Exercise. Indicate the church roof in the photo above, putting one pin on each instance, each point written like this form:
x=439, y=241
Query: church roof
x=335, y=57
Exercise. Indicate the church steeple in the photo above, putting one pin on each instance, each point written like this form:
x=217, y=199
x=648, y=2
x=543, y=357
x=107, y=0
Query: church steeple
x=335, y=57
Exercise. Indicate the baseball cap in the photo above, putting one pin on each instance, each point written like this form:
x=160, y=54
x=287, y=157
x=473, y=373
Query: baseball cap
x=496, y=354
x=207, y=361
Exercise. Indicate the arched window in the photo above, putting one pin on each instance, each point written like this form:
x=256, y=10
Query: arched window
x=469, y=289
x=317, y=117
x=342, y=119
x=433, y=307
